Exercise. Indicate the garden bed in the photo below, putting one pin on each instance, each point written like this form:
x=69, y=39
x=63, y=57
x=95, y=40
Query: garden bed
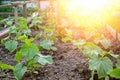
x=69, y=64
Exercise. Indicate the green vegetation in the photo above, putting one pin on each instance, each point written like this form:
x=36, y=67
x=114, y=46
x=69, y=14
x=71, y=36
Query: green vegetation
x=99, y=59
x=7, y=21
x=6, y=9
x=28, y=50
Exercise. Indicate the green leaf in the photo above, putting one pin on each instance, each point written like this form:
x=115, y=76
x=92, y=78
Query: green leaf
x=29, y=50
x=28, y=41
x=43, y=60
x=118, y=63
x=27, y=32
x=105, y=43
x=54, y=48
x=3, y=41
x=102, y=66
x=18, y=56
x=67, y=39
x=22, y=38
x=115, y=73
x=46, y=44
x=111, y=53
x=5, y=66
x=37, y=36
x=9, y=23
x=36, y=21
x=11, y=45
x=19, y=71
x=22, y=24
x=30, y=63
x=79, y=44
x=12, y=30
x=53, y=38
x=91, y=50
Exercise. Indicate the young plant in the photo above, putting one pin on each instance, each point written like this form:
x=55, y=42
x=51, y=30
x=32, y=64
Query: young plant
x=7, y=22
x=115, y=73
x=36, y=22
x=28, y=56
x=47, y=33
x=31, y=53
x=4, y=66
x=98, y=58
x=11, y=42
x=106, y=43
x=48, y=45
x=11, y=45
x=68, y=37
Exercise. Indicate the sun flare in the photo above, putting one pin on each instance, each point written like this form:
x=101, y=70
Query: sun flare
x=87, y=4
x=90, y=12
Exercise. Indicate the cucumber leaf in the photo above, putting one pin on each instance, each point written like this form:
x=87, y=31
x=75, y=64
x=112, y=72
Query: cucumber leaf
x=19, y=71
x=11, y=45
x=43, y=60
x=115, y=73
x=103, y=66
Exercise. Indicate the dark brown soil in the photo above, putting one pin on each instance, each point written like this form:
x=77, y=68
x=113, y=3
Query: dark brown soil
x=116, y=47
x=69, y=64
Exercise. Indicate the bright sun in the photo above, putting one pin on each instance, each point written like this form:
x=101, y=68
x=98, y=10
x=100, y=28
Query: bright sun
x=87, y=4
x=87, y=12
